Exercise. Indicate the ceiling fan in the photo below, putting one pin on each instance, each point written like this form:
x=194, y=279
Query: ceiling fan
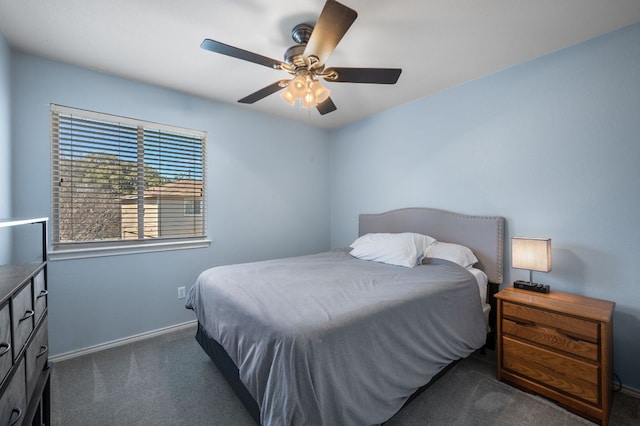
x=306, y=60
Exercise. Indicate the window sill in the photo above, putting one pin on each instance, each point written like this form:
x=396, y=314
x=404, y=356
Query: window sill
x=81, y=253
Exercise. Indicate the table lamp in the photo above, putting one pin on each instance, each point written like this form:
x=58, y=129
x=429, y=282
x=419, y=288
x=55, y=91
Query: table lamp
x=533, y=254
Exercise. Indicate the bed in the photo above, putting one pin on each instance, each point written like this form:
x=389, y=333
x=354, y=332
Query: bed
x=333, y=339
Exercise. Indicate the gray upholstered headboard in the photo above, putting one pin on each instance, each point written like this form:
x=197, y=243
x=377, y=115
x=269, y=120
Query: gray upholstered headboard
x=482, y=234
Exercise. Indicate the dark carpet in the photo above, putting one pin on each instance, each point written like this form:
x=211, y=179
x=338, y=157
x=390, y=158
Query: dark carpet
x=169, y=380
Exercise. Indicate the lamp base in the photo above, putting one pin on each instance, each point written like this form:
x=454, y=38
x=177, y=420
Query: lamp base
x=526, y=285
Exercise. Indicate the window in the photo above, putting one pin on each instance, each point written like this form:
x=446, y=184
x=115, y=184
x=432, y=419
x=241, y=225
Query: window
x=192, y=207
x=122, y=182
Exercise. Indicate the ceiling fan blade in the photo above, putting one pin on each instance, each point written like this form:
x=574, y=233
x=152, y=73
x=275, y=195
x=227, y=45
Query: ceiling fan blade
x=333, y=23
x=365, y=75
x=235, y=52
x=326, y=107
x=262, y=93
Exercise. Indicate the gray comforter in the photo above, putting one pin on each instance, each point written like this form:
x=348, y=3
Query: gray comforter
x=328, y=339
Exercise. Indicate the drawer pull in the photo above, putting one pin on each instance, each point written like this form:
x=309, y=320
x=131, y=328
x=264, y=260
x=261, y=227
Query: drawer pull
x=524, y=323
x=43, y=350
x=4, y=348
x=568, y=335
x=18, y=416
x=28, y=314
x=43, y=293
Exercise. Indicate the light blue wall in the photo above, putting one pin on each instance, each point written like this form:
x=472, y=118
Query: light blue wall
x=268, y=196
x=552, y=145
x=5, y=148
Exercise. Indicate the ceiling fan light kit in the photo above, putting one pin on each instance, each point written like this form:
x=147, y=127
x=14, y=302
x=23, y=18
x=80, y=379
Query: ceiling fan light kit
x=305, y=90
x=305, y=61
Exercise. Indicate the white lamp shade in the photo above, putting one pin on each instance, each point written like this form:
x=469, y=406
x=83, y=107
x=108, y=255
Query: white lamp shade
x=533, y=254
x=288, y=96
x=308, y=101
x=298, y=86
x=320, y=92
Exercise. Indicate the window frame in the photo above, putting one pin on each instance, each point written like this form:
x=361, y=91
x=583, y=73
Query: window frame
x=191, y=203
x=96, y=248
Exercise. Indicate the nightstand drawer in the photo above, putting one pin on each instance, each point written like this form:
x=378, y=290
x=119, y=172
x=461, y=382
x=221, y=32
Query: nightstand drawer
x=570, y=375
x=571, y=327
x=550, y=337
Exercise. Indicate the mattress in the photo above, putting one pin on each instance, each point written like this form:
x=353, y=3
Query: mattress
x=329, y=339
x=483, y=283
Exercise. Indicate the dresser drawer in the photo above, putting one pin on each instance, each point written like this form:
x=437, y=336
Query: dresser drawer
x=571, y=327
x=39, y=295
x=6, y=360
x=578, y=378
x=13, y=404
x=37, y=355
x=22, y=318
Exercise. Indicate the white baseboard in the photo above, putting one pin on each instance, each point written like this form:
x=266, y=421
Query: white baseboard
x=630, y=391
x=123, y=341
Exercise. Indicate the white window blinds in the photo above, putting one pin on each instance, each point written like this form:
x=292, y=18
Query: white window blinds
x=125, y=181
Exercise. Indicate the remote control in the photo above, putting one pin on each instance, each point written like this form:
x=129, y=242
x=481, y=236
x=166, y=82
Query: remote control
x=526, y=285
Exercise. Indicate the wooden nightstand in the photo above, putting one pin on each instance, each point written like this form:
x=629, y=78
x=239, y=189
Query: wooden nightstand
x=558, y=345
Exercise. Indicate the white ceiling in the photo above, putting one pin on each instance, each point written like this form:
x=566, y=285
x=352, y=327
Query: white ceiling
x=437, y=43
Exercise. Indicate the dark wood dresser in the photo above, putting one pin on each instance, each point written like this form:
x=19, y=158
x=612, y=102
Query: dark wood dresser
x=24, y=368
x=558, y=345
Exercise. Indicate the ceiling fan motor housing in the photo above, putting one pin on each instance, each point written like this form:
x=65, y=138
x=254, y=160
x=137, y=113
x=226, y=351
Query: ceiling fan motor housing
x=301, y=33
x=295, y=56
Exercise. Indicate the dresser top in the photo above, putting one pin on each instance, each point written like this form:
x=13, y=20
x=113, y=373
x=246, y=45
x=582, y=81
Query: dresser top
x=571, y=304
x=12, y=277
x=21, y=221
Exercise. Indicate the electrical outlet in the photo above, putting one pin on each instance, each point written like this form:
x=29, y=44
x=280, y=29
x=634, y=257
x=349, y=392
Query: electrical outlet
x=181, y=292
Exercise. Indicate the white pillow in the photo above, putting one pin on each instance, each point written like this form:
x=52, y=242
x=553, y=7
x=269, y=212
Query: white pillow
x=404, y=249
x=456, y=253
